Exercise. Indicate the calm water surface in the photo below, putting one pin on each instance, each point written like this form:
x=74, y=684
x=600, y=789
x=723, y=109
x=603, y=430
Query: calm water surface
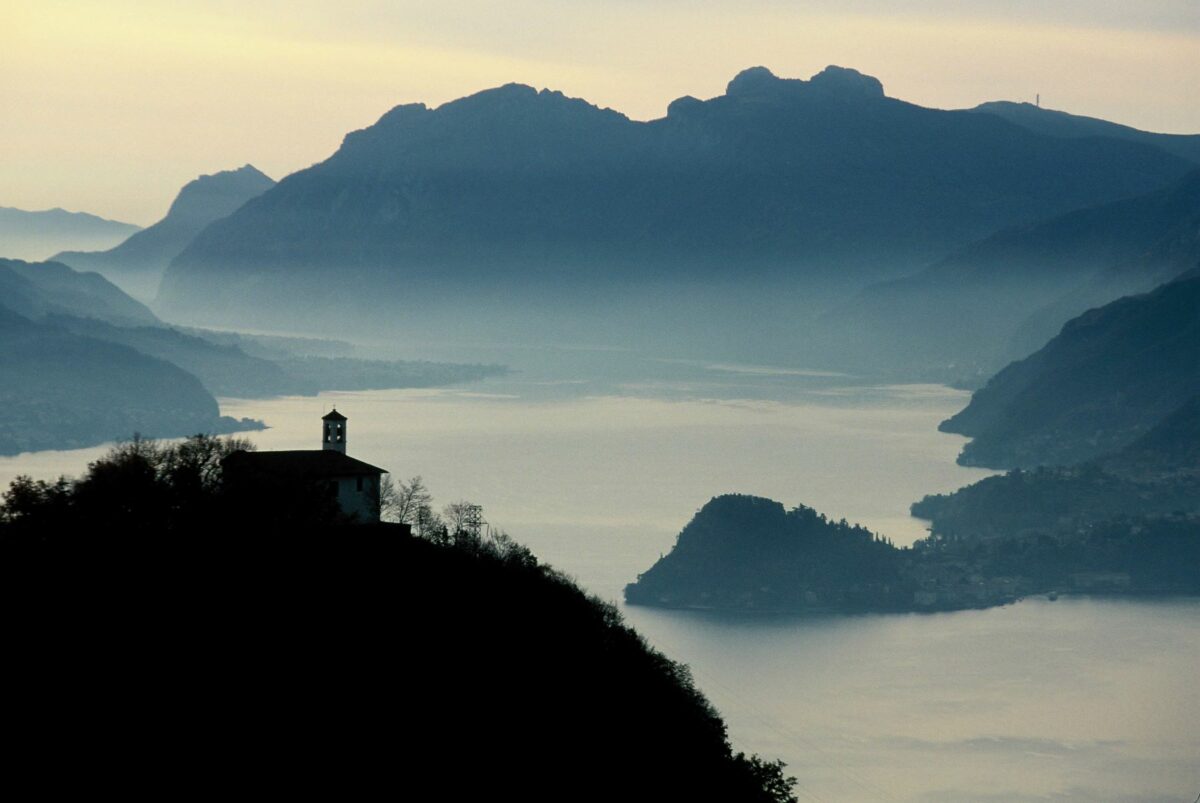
x=1072, y=700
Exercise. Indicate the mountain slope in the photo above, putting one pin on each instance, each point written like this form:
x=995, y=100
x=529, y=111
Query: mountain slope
x=37, y=235
x=514, y=195
x=1171, y=446
x=1005, y=296
x=1173, y=255
x=1110, y=376
x=498, y=677
x=62, y=391
x=36, y=290
x=223, y=370
x=88, y=305
x=1062, y=124
x=138, y=262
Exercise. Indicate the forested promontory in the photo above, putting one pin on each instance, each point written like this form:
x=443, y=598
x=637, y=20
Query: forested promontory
x=750, y=554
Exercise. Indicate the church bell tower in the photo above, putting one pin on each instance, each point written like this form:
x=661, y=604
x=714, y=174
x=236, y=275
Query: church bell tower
x=333, y=431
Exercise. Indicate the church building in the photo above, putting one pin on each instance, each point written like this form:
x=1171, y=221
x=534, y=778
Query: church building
x=353, y=483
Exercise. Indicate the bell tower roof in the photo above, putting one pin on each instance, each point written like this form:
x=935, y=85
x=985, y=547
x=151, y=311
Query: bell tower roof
x=333, y=431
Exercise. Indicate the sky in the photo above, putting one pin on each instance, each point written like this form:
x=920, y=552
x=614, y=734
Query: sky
x=110, y=106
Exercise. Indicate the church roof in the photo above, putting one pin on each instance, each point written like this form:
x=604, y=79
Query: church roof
x=300, y=464
x=333, y=415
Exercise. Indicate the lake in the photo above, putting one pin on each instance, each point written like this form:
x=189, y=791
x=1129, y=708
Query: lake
x=597, y=461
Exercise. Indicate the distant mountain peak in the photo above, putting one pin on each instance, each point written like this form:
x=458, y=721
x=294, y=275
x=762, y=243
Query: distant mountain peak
x=250, y=170
x=515, y=185
x=137, y=263
x=245, y=172
x=508, y=95
x=683, y=105
x=752, y=81
x=842, y=81
x=58, y=213
x=848, y=81
x=402, y=115
x=509, y=91
x=228, y=188
x=511, y=94
x=37, y=234
x=512, y=100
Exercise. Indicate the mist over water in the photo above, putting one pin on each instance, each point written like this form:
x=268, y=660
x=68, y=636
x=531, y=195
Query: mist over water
x=1073, y=700
x=611, y=447
x=596, y=458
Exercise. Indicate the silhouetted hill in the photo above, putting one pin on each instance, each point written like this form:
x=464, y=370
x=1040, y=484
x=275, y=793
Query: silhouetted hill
x=1004, y=297
x=513, y=199
x=37, y=289
x=37, y=235
x=60, y=391
x=336, y=660
x=1111, y=375
x=1003, y=538
x=748, y=552
x=1061, y=124
x=138, y=262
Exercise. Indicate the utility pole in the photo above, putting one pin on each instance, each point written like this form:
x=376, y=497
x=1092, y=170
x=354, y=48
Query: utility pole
x=472, y=521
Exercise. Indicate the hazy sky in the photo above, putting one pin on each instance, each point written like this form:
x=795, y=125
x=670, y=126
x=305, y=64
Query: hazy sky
x=110, y=106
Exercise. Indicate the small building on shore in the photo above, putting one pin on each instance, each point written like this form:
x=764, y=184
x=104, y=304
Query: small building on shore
x=353, y=484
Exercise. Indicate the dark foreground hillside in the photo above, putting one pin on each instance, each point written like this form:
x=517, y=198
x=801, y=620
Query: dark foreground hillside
x=333, y=658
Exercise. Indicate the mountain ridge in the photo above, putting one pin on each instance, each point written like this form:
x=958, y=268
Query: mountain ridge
x=36, y=234
x=63, y=391
x=524, y=191
x=1064, y=124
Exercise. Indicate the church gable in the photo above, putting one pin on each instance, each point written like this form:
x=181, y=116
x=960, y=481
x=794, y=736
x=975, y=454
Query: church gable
x=354, y=484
